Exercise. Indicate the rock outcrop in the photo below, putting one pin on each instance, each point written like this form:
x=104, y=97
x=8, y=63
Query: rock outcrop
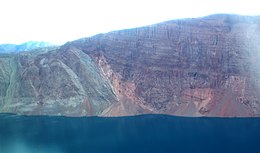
x=191, y=67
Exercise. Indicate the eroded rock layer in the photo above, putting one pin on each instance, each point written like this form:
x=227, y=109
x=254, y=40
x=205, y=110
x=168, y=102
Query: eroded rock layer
x=192, y=67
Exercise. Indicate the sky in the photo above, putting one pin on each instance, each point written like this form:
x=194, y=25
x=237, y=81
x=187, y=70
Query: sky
x=59, y=21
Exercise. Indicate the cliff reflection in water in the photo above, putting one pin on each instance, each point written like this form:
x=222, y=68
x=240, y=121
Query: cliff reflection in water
x=147, y=133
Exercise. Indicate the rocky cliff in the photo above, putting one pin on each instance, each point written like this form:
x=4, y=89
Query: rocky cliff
x=206, y=66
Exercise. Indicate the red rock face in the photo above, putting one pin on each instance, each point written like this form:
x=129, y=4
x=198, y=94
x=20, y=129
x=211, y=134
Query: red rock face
x=192, y=67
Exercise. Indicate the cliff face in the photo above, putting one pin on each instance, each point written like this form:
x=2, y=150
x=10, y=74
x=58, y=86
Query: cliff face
x=193, y=67
x=59, y=82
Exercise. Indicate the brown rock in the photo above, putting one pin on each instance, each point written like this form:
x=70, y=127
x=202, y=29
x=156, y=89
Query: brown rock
x=192, y=67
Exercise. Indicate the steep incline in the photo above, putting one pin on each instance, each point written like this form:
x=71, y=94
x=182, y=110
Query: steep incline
x=59, y=82
x=193, y=67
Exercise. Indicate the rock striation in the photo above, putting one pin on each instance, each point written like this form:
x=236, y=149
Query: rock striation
x=207, y=66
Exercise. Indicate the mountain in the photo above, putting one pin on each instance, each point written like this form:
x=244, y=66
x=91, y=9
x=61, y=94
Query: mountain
x=207, y=66
x=7, y=48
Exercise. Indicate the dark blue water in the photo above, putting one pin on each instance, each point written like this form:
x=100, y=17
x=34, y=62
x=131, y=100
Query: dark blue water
x=147, y=133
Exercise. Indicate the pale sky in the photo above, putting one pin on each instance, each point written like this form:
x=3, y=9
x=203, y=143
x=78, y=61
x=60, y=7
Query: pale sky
x=58, y=21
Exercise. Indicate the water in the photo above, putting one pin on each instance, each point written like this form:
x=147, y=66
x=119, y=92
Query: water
x=147, y=133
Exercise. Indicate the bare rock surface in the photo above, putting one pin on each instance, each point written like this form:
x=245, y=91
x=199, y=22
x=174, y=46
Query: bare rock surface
x=206, y=66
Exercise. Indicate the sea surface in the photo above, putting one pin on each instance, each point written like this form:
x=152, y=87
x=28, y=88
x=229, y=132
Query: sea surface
x=145, y=133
